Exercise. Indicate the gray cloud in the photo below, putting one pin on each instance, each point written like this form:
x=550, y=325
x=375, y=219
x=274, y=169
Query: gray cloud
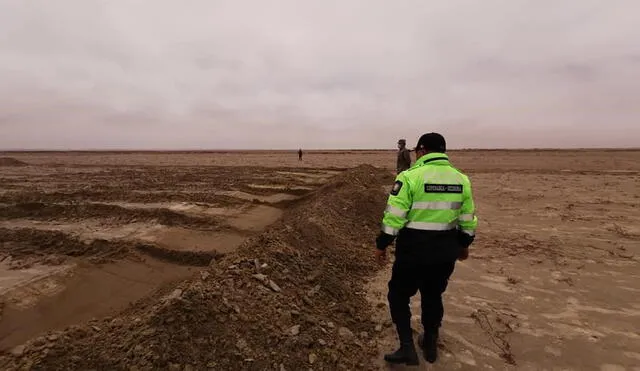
x=334, y=74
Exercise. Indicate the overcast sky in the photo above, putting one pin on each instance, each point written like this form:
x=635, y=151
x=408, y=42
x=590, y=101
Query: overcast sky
x=318, y=74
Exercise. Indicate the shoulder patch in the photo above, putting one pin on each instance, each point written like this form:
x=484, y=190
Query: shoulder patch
x=397, y=186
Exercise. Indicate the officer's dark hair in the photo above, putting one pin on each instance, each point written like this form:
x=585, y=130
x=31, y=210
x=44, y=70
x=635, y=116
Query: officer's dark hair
x=432, y=142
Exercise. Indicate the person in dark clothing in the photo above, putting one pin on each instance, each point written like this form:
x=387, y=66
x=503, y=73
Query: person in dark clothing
x=431, y=212
x=404, y=157
x=300, y=154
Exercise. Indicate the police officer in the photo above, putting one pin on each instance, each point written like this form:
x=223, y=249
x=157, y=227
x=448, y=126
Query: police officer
x=431, y=212
x=404, y=157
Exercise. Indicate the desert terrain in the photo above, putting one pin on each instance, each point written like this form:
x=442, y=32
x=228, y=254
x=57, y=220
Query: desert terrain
x=258, y=261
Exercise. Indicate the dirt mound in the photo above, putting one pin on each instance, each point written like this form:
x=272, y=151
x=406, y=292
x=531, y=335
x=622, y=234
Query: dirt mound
x=291, y=298
x=115, y=213
x=27, y=246
x=10, y=161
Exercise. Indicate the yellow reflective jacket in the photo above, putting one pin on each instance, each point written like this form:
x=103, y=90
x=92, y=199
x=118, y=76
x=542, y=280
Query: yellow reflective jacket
x=431, y=196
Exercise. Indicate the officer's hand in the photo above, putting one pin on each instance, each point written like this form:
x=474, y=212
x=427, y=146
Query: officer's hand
x=464, y=254
x=381, y=256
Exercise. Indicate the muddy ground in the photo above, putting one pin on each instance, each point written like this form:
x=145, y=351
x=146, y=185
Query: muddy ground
x=258, y=261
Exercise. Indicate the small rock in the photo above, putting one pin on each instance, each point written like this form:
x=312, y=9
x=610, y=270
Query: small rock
x=204, y=275
x=331, y=325
x=364, y=334
x=378, y=328
x=148, y=332
x=322, y=342
x=312, y=358
x=282, y=367
x=52, y=337
x=294, y=313
x=306, y=300
x=261, y=277
x=345, y=333
x=188, y=368
x=174, y=295
x=175, y=367
x=274, y=287
x=241, y=344
x=96, y=328
x=314, y=291
x=18, y=351
x=295, y=330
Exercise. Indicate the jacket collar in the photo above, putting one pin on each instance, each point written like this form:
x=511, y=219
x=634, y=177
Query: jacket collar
x=431, y=157
x=434, y=156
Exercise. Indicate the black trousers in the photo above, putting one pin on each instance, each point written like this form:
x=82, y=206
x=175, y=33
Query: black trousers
x=407, y=277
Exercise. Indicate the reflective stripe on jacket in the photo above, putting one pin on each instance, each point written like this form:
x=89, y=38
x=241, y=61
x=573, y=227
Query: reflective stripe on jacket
x=431, y=196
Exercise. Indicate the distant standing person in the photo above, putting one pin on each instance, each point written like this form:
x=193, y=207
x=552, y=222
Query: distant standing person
x=300, y=154
x=404, y=157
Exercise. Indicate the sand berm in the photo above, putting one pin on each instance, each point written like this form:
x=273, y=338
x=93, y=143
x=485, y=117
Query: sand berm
x=291, y=298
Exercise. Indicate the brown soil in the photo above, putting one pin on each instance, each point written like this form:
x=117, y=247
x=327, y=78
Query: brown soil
x=27, y=246
x=117, y=195
x=115, y=214
x=10, y=161
x=287, y=299
x=552, y=282
x=88, y=291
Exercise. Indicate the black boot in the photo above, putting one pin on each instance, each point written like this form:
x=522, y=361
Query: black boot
x=428, y=341
x=405, y=355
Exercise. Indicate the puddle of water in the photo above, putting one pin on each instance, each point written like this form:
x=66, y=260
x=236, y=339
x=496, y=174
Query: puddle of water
x=86, y=292
x=13, y=278
x=89, y=230
x=182, y=239
x=183, y=207
x=42, y=299
x=256, y=219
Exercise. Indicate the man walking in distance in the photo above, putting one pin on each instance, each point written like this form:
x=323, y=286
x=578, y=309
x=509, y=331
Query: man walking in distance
x=431, y=212
x=300, y=154
x=404, y=157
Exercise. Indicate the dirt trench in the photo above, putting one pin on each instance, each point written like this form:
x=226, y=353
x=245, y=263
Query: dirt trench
x=64, y=269
x=298, y=288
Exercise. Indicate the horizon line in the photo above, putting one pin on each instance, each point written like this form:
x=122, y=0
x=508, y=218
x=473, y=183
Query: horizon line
x=224, y=150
